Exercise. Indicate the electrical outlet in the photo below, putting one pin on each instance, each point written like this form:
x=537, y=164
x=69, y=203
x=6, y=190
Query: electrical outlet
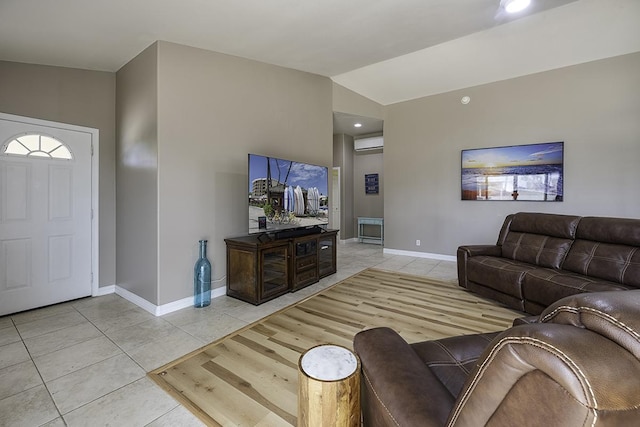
x=417, y=242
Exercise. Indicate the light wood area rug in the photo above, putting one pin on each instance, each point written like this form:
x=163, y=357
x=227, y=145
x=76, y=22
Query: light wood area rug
x=250, y=378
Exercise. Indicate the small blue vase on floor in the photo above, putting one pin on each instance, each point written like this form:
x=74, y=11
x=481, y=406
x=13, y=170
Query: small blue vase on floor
x=202, y=278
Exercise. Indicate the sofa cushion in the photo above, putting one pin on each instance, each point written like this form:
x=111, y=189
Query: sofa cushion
x=536, y=249
x=563, y=226
x=501, y=274
x=546, y=286
x=504, y=230
x=533, y=307
x=607, y=261
x=398, y=388
x=539, y=239
x=620, y=231
x=452, y=359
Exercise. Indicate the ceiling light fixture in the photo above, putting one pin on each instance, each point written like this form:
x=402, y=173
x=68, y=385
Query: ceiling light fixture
x=515, y=6
x=357, y=125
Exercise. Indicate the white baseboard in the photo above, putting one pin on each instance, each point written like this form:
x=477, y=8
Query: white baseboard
x=156, y=310
x=186, y=302
x=104, y=290
x=174, y=306
x=351, y=240
x=420, y=254
x=137, y=300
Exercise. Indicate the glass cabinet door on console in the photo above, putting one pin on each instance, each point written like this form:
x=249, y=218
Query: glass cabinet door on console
x=275, y=277
x=327, y=254
x=257, y=268
x=305, y=261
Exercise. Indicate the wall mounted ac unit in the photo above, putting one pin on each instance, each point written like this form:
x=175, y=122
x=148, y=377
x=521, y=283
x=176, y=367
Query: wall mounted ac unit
x=372, y=143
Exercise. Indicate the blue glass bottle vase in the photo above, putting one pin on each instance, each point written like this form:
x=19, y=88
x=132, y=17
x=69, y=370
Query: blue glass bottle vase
x=202, y=278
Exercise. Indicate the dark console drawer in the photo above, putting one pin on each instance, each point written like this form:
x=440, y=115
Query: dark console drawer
x=305, y=263
x=310, y=276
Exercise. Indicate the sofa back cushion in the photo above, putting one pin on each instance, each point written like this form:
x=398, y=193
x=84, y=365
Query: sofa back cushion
x=619, y=231
x=614, y=315
x=540, y=239
x=607, y=248
x=504, y=231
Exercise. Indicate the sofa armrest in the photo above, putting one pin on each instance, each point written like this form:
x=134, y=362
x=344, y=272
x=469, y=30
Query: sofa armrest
x=466, y=252
x=397, y=387
x=476, y=250
x=551, y=374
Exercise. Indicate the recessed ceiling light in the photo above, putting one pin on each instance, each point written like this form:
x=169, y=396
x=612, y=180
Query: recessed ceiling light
x=465, y=100
x=515, y=6
x=357, y=125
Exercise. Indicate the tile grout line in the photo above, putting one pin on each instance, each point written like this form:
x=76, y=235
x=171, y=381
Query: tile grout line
x=123, y=352
x=359, y=262
x=44, y=384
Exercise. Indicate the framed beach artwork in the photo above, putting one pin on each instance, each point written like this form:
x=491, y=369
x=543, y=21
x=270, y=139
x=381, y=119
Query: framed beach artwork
x=531, y=172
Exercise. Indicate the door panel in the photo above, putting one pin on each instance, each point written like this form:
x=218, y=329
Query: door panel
x=60, y=193
x=16, y=264
x=16, y=192
x=45, y=220
x=60, y=257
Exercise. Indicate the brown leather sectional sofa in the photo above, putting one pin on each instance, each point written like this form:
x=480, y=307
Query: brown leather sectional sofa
x=540, y=258
x=578, y=365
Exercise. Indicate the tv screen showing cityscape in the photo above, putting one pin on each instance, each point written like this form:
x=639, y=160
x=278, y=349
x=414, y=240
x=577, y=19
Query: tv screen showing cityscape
x=286, y=194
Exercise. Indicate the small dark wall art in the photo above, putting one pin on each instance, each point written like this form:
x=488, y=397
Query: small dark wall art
x=531, y=172
x=371, y=184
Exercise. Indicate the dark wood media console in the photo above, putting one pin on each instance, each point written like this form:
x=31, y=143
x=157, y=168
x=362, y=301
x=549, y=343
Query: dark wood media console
x=262, y=267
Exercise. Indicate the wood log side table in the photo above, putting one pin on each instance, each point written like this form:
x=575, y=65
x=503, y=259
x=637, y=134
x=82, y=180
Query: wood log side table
x=328, y=387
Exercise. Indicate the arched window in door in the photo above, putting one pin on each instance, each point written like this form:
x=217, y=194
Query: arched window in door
x=36, y=145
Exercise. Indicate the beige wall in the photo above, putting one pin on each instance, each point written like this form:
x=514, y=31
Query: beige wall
x=213, y=110
x=351, y=204
x=348, y=101
x=137, y=172
x=367, y=205
x=594, y=108
x=343, y=159
x=78, y=97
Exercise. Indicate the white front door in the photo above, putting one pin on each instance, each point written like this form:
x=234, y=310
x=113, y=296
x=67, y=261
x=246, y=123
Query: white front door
x=45, y=215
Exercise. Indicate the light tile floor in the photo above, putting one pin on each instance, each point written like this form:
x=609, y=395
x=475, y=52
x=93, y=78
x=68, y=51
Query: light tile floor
x=84, y=363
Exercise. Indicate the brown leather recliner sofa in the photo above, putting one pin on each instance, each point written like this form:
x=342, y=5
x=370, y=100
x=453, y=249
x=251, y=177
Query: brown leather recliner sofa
x=578, y=365
x=540, y=258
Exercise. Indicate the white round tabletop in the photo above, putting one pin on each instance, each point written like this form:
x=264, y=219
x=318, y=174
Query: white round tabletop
x=329, y=363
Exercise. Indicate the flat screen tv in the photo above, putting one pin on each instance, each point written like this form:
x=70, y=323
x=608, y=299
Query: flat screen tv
x=284, y=194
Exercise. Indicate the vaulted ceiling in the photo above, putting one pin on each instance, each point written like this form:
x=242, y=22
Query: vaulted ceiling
x=386, y=50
